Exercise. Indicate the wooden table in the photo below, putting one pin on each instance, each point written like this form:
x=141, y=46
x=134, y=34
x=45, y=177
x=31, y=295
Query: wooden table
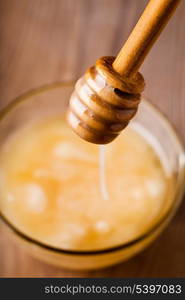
x=44, y=41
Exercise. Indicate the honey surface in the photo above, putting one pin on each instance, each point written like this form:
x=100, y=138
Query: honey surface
x=51, y=188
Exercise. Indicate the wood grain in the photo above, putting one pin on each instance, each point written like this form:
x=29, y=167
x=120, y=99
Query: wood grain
x=44, y=41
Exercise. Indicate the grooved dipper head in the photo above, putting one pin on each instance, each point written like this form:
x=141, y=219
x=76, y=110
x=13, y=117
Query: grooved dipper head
x=103, y=102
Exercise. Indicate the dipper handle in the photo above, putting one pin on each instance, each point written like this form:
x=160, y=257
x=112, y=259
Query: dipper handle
x=148, y=28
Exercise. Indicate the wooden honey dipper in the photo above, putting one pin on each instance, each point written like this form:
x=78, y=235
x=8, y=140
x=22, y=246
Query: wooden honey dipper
x=107, y=96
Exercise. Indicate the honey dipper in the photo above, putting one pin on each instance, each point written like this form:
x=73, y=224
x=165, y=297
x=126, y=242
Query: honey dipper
x=106, y=98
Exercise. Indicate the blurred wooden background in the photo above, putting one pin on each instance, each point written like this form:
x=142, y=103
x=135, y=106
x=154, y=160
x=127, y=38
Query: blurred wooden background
x=44, y=41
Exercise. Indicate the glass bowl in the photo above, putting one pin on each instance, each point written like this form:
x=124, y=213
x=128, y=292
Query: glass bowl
x=52, y=100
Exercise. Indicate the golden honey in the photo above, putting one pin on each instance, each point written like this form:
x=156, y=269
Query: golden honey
x=68, y=193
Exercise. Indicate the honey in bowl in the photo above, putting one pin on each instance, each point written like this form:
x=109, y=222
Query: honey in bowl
x=67, y=193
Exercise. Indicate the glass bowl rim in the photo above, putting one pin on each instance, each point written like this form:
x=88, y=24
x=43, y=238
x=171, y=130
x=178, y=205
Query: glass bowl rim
x=180, y=189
